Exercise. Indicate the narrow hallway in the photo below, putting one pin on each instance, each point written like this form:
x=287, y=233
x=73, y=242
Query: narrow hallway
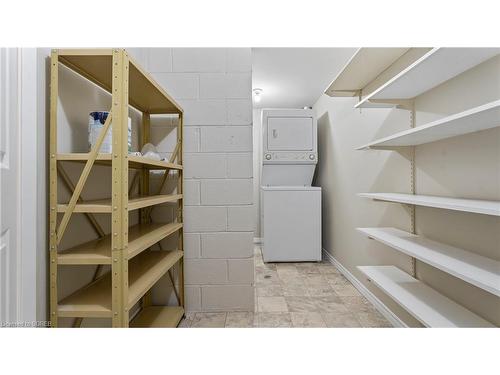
x=297, y=295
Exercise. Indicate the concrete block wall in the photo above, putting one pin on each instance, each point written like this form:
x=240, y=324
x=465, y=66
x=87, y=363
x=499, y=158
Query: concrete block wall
x=213, y=85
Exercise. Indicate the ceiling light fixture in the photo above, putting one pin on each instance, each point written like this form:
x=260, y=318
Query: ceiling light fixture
x=257, y=95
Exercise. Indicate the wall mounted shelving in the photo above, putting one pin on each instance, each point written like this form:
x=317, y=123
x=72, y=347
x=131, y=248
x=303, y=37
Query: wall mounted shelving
x=432, y=69
x=475, y=269
x=363, y=67
x=419, y=72
x=425, y=304
x=486, y=116
x=132, y=267
x=455, y=204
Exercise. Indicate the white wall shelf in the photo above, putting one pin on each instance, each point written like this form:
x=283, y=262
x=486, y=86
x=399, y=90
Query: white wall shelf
x=428, y=306
x=475, y=269
x=432, y=69
x=483, y=117
x=456, y=204
x=363, y=67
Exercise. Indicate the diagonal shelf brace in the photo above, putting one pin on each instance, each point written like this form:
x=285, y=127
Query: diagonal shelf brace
x=135, y=180
x=71, y=187
x=176, y=151
x=166, y=174
x=83, y=178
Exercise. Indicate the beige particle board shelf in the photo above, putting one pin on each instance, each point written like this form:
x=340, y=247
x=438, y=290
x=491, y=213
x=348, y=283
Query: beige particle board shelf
x=483, y=117
x=455, y=204
x=363, y=67
x=104, y=205
x=140, y=238
x=136, y=162
x=158, y=317
x=145, y=94
x=432, y=69
x=94, y=300
x=475, y=269
x=425, y=304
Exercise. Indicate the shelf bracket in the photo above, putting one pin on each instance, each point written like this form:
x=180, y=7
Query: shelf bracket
x=397, y=103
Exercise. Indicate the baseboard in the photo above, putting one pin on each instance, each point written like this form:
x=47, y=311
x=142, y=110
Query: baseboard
x=257, y=240
x=377, y=303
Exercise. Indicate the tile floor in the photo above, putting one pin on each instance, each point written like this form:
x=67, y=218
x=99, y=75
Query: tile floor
x=297, y=295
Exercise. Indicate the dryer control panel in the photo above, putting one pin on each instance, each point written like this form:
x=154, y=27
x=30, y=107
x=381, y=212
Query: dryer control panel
x=289, y=136
x=290, y=157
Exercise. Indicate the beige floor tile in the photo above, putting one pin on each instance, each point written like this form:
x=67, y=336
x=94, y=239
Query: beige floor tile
x=289, y=279
x=307, y=320
x=307, y=268
x=316, y=280
x=301, y=304
x=209, y=320
x=269, y=266
x=340, y=320
x=358, y=304
x=273, y=320
x=286, y=266
x=240, y=320
x=330, y=304
x=336, y=279
x=185, y=323
x=266, y=277
x=187, y=320
x=320, y=290
x=287, y=273
x=327, y=269
x=295, y=290
x=272, y=304
x=345, y=290
x=373, y=320
x=273, y=290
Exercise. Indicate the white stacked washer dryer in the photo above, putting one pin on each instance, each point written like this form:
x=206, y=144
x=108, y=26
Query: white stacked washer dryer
x=290, y=206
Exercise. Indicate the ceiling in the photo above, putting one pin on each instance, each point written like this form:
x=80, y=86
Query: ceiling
x=295, y=77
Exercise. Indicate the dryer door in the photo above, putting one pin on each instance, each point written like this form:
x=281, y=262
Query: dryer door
x=289, y=133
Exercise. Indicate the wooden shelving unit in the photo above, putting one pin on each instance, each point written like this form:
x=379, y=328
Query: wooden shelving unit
x=419, y=72
x=426, y=305
x=475, y=269
x=133, y=267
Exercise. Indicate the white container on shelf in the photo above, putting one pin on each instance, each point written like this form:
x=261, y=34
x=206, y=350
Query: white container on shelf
x=96, y=123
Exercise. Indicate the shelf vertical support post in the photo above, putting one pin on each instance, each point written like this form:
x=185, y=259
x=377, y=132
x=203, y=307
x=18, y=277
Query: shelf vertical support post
x=145, y=138
x=180, y=205
x=413, y=187
x=54, y=81
x=119, y=189
x=145, y=189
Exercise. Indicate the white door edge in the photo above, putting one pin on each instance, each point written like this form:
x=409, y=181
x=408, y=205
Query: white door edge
x=28, y=173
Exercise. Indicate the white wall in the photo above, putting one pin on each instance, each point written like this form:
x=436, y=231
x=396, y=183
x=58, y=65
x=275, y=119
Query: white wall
x=464, y=166
x=213, y=85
